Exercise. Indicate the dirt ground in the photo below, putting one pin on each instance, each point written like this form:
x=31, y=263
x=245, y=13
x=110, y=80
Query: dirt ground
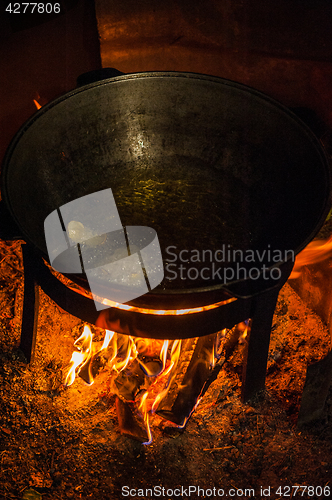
x=60, y=442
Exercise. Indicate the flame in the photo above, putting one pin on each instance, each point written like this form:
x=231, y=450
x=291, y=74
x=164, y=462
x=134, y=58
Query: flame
x=38, y=106
x=244, y=327
x=149, y=347
x=84, y=355
x=175, y=353
x=108, y=337
x=130, y=355
x=316, y=251
x=163, y=353
x=213, y=356
x=182, y=426
x=171, y=371
x=143, y=410
x=79, y=357
x=117, y=352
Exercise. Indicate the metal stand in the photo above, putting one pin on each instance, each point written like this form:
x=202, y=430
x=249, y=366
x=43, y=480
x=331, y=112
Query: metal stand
x=36, y=273
x=258, y=340
x=30, y=308
x=260, y=308
x=257, y=348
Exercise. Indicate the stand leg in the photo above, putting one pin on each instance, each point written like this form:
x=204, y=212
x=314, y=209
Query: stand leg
x=258, y=341
x=30, y=308
x=256, y=355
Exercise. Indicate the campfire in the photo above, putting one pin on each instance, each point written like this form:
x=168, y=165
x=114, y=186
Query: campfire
x=152, y=376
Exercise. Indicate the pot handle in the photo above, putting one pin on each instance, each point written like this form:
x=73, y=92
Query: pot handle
x=8, y=228
x=250, y=288
x=97, y=75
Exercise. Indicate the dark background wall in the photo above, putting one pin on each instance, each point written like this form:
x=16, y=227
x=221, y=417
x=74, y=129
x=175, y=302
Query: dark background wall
x=40, y=58
x=282, y=48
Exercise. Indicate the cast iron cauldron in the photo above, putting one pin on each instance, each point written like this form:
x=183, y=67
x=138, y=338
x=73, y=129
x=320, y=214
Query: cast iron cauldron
x=204, y=161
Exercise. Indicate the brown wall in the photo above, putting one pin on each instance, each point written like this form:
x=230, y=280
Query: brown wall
x=41, y=57
x=283, y=48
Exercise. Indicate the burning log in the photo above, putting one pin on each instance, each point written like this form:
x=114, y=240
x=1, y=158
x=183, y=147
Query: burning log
x=130, y=386
x=205, y=364
x=130, y=421
x=192, y=384
x=181, y=354
x=90, y=370
x=129, y=382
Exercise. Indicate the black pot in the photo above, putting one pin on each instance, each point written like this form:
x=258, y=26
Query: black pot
x=210, y=164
